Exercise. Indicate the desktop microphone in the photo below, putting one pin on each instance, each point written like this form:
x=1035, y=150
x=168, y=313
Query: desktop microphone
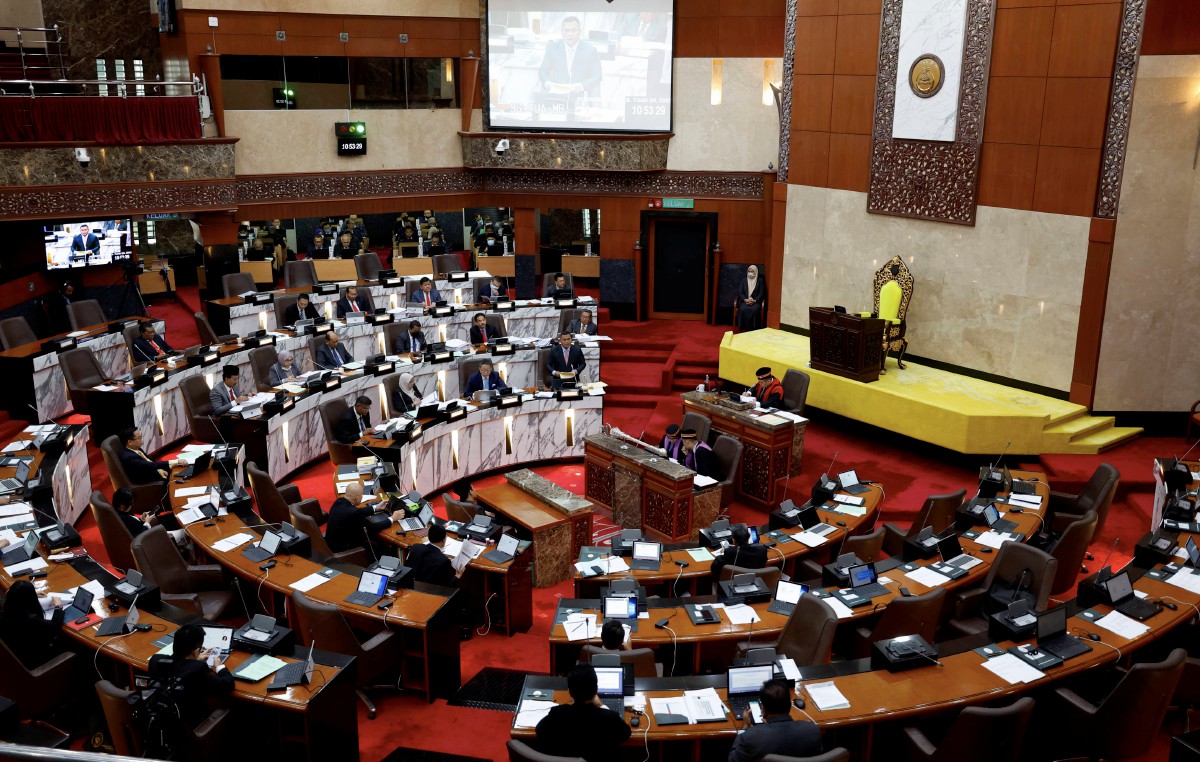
x=264, y=524
x=1177, y=458
x=1002, y=454
x=829, y=470
x=369, y=548
x=1104, y=567
x=921, y=652
x=40, y=422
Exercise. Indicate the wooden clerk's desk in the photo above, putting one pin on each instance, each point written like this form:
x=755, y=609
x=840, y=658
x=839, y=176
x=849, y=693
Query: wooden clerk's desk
x=844, y=344
x=581, y=266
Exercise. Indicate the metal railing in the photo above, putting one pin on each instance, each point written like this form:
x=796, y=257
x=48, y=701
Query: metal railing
x=39, y=754
x=121, y=88
x=43, y=45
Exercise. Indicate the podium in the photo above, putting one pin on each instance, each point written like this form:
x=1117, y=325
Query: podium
x=844, y=344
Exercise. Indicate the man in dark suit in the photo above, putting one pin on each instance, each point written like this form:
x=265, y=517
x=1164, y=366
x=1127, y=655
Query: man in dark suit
x=197, y=676
x=428, y=562
x=570, y=65
x=355, y=423
x=150, y=347
x=259, y=252
x=493, y=292
x=564, y=358
x=584, y=728
x=741, y=553
x=138, y=466
x=436, y=245
x=559, y=288
x=583, y=324
x=318, y=248
x=346, y=248
x=303, y=309
x=332, y=355
x=484, y=378
x=481, y=333
x=56, y=307
x=413, y=341
x=426, y=295
x=225, y=395
x=695, y=454
x=348, y=519
x=779, y=734
x=87, y=243
x=352, y=303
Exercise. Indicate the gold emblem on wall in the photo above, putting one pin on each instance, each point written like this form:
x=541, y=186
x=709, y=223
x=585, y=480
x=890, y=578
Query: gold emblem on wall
x=926, y=76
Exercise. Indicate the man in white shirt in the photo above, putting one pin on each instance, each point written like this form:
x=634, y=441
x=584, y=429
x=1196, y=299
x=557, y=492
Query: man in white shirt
x=571, y=65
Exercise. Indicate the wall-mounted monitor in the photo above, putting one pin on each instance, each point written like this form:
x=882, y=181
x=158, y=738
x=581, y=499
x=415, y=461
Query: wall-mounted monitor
x=88, y=243
x=554, y=66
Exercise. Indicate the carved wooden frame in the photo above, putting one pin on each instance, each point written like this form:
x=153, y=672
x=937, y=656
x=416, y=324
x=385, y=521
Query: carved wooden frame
x=1120, y=108
x=931, y=180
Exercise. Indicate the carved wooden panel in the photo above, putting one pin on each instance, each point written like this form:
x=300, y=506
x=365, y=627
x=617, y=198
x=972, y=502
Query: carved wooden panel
x=599, y=484
x=660, y=513
x=1120, y=108
x=756, y=470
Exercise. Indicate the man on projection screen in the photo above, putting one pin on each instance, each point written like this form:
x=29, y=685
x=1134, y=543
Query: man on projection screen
x=571, y=67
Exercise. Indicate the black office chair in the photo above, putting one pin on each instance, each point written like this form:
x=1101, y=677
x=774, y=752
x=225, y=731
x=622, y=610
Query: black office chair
x=979, y=734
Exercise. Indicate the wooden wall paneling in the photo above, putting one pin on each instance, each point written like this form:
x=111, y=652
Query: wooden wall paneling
x=435, y=29
x=697, y=37
x=853, y=105
x=1171, y=28
x=1085, y=40
x=857, y=45
x=751, y=37
x=1021, y=42
x=325, y=45
x=816, y=8
x=734, y=8
x=374, y=26
x=778, y=202
x=857, y=7
x=233, y=22
x=812, y=102
x=1007, y=175
x=1014, y=110
x=1091, y=312
x=1076, y=111
x=698, y=9
x=382, y=47
x=809, y=158
x=311, y=25
x=1066, y=180
x=849, y=162
x=816, y=44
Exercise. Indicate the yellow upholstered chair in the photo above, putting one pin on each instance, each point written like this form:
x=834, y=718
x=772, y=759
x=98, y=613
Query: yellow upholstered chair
x=893, y=292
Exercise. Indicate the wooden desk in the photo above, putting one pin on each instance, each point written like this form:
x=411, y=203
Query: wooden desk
x=772, y=446
x=263, y=272
x=152, y=281
x=556, y=536
x=844, y=344
x=644, y=491
x=505, y=266
x=581, y=266
x=336, y=270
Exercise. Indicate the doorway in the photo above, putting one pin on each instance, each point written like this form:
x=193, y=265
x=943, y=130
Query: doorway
x=679, y=268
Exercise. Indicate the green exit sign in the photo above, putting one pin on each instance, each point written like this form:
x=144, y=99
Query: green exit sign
x=679, y=203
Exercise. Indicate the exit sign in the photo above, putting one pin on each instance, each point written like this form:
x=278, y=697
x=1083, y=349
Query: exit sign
x=679, y=203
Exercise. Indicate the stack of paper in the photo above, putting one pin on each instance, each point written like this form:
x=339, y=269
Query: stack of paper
x=700, y=554
x=696, y=706
x=190, y=491
x=14, y=509
x=927, y=577
x=1185, y=579
x=1118, y=623
x=31, y=565
x=826, y=696
x=741, y=614
x=232, y=542
x=531, y=712
x=260, y=668
x=790, y=670
x=581, y=627
x=993, y=539
x=1012, y=670
x=308, y=583
x=466, y=551
x=809, y=539
x=1025, y=501
x=701, y=480
x=842, y=610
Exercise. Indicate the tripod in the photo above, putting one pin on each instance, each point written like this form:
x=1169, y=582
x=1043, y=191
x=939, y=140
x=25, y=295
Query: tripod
x=131, y=285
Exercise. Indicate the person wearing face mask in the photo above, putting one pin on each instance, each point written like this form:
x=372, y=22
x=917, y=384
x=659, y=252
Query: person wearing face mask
x=490, y=246
x=284, y=371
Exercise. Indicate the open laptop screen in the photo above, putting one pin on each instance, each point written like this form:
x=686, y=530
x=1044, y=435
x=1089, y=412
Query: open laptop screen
x=862, y=575
x=789, y=592
x=744, y=680
x=1119, y=587
x=373, y=583
x=647, y=551
x=949, y=547
x=1052, y=622
x=610, y=681
x=621, y=608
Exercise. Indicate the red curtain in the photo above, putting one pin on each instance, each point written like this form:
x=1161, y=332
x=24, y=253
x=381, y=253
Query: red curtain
x=113, y=120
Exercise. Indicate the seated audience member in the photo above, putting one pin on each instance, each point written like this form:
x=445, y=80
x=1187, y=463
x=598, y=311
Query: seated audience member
x=480, y=240
x=356, y=422
x=436, y=245
x=122, y=501
x=465, y=493
x=741, y=553
x=779, y=733
x=352, y=303
x=346, y=248
x=558, y=289
x=318, y=248
x=24, y=628
x=489, y=246
x=426, y=295
x=407, y=235
x=585, y=728
x=484, y=378
x=696, y=455
x=768, y=391
x=285, y=370
x=357, y=232
x=259, y=252
x=671, y=442
x=56, y=307
x=198, y=675
x=407, y=397
x=225, y=395
x=303, y=309
x=138, y=466
x=481, y=333
x=565, y=358
x=412, y=342
x=428, y=562
x=494, y=291
x=347, y=524
x=612, y=636
x=332, y=355
x=149, y=346
x=583, y=324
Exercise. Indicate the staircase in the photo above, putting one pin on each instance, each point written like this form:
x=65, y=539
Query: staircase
x=1081, y=433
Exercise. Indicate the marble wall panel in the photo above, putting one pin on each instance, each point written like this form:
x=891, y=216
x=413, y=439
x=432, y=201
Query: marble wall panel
x=566, y=152
x=929, y=27
x=27, y=167
x=71, y=483
x=1002, y=297
x=113, y=29
x=1151, y=338
x=702, y=131
x=618, y=282
x=627, y=498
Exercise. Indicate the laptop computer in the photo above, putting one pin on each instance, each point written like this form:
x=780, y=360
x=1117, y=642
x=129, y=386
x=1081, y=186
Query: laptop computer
x=811, y=521
x=371, y=587
x=218, y=638
x=623, y=609
x=23, y=552
x=1052, y=635
x=646, y=556
x=1019, y=486
x=420, y=521
x=743, y=685
x=506, y=550
x=80, y=607
x=1125, y=601
x=850, y=483
x=954, y=563
x=203, y=461
x=1193, y=554
x=120, y=625
x=991, y=514
x=294, y=673
x=266, y=547
x=787, y=595
x=14, y=483
x=131, y=584
x=610, y=687
x=864, y=586
x=261, y=629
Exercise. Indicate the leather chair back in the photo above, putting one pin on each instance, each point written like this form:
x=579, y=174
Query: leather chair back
x=206, y=333
x=1098, y=494
x=40, y=690
x=807, y=638
x=109, y=450
x=698, y=421
x=367, y=265
x=118, y=716
x=1069, y=550
x=117, y=538
x=1126, y=723
x=914, y=615
x=1013, y=558
x=14, y=332
x=543, y=358
x=727, y=456
x=305, y=524
x=496, y=325
x=548, y=279
x=282, y=302
x=1003, y=728
x=270, y=503
x=840, y=754
x=519, y=751
x=81, y=372
x=85, y=313
x=642, y=659
x=566, y=317
x=456, y=510
x=770, y=575
x=446, y=263
x=868, y=547
x=158, y=559
x=130, y=333
x=233, y=284
x=332, y=412
x=393, y=331
x=467, y=367
x=326, y=625
x=795, y=390
x=261, y=360
x=302, y=272
x=198, y=406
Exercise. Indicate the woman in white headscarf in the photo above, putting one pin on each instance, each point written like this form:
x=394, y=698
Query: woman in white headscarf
x=407, y=397
x=285, y=371
x=749, y=300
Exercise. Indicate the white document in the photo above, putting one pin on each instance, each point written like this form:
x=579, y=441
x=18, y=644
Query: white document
x=848, y=499
x=14, y=446
x=451, y=547
x=852, y=510
x=455, y=344
x=842, y=610
x=993, y=539
x=610, y=565
x=1126, y=627
x=466, y=552
x=927, y=577
x=791, y=416
x=1185, y=579
x=105, y=388
x=790, y=670
x=190, y=516
x=76, y=334
x=741, y=614
x=702, y=481
x=10, y=535
x=581, y=627
x=16, y=521
x=308, y=583
x=233, y=541
x=348, y=477
x=1025, y=500
x=190, y=491
x=32, y=564
x=531, y=712
x=14, y=509
x=705, y=705
x=809, y=539
x=700, y=554
x=826, y=696
x=1012, y=670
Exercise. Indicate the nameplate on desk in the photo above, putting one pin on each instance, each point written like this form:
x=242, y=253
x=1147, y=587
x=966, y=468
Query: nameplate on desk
x=380, y=318
x=60, y=345
x=117, y=326
x=509, y=400
x=207, y=357
x=565, y=304
x=415, y=432
x=258, y=341
x=389, y=278
x=444, y=356
x=456, y=414
x=313, y=330
x=456, y=277
x=260, y=298
x=380, y=368
x=441, y=311
x=150, y=378
x=501, y=349
x=326, y=288
x=332, y=383
x=504, y=306
x=569, y=394
x=279, y=406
